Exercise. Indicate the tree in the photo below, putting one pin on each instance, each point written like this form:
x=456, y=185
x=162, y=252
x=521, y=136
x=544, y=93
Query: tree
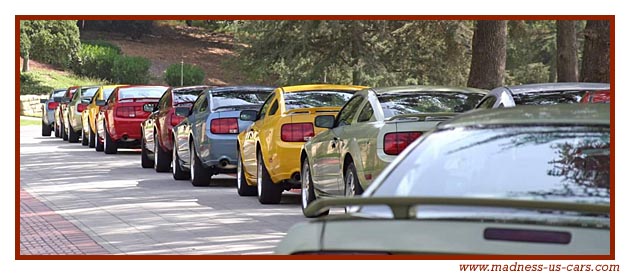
x=596, y=56
x=54, y=42
x=567, y=59
x=487, y=67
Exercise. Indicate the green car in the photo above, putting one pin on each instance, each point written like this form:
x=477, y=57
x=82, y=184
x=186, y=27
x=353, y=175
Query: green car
x=529, y=180
x=372, y=128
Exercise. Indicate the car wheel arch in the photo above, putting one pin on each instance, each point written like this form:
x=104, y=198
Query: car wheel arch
x=347, y=159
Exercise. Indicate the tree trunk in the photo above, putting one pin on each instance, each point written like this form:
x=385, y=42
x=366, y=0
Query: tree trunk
x=596, y=57
x=566, y=55
x=25, y=60
x=487, y=67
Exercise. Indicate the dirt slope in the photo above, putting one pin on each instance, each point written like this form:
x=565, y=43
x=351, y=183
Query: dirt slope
x=170, y=44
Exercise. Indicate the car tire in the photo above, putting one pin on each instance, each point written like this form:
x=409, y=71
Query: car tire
x=46, y=129
x=145, y=162
x=91, y=138
x=308, y=190
x=73, y=137
x=57, y=134
x=268, y=192
x=64, y=134
x=178, y=171
x=244, y=189
x=352, y=187
x=161, y=158
x=84, y=138
x=109, y=145
x=199, y=175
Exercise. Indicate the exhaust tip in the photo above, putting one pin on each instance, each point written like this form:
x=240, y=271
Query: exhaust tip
x=224, y=162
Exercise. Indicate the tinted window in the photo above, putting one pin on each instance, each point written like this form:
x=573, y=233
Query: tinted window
x=546, y=98
x=234, y=98
x=107, y=92
x=88, y=92
x=265, y=107
x=533, y=163
x=487, y=103
x=141, y=92
x=274, y=108
x=366, y=113
x=427, y=102
x=311, y=99
x=349, y=110
x=201, y=104
x=186, y=95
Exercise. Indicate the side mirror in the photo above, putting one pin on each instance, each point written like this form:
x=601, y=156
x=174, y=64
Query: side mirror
x=149, y=108
x=182, y=111
x=101, y=103
x=325, y=121
x=43, y=100
x=248, y=115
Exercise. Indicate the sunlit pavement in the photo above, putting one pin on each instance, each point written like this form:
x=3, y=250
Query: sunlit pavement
x=126, y=209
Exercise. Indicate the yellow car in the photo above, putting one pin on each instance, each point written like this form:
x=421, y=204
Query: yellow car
x=88, y=116
x=269, y=150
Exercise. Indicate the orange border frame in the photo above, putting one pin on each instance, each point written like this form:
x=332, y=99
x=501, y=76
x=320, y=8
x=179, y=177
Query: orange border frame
x=610, y=18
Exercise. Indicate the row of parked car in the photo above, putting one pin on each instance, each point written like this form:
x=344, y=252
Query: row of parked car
x=524, y=180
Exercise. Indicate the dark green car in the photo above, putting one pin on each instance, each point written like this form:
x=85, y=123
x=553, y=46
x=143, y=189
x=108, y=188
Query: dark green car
x=530, y=180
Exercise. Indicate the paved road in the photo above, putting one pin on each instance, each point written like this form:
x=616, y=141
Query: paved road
x=130, y=210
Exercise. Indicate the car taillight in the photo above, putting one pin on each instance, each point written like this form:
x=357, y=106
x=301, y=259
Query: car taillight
x=81, y=107
x=394, y=143
x=52, y=105
x=175, y=119
x=128, y=111
x=297, y=132
x=224, y=126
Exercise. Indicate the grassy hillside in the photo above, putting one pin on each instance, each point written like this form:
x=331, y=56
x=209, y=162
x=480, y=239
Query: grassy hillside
x=42, y=79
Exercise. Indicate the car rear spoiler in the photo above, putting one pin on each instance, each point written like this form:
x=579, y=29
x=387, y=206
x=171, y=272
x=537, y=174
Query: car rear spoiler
x=401, y=206
x=139, y=99
x=238, y=107
x=313, y=110
x=422, y=117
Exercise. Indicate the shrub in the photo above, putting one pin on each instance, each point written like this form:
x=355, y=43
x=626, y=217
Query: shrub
x=131, y=70
x=54, y=42
x=193, y=75
x=103, y=43
x=96, y=61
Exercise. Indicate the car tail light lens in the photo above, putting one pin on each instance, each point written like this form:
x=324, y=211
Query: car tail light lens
x=224, y=126
x=52, y=105
x=81, y=107
x=294, y=132
x=175, y=119
x=397, y=142
x=130, y=111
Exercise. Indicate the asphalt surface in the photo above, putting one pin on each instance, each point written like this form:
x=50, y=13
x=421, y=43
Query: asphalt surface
x=130, y=210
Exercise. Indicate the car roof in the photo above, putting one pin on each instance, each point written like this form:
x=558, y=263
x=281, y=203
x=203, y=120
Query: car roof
x=423, y=88
x=580, y=114
x=315, y=87
x=140, y=86
x=243, y=88
x=560, y=86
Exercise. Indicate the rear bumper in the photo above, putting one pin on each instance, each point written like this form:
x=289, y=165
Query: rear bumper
x=126, y=129
x=220, y=151
x=283, y=163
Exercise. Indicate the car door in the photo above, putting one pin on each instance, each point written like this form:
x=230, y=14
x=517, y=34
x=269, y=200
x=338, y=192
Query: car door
x=164, y=106
x=364, y=133
x=327, y=166
x=184, y=130
x=252, y=136
x=197, y=121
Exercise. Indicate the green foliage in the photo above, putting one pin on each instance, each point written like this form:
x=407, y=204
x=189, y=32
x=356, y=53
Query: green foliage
x=131, y=70
x=41, y=81
x=51, y=41
x=193, y=75
x=529, y=73
x=96, y=61
x=373, y=53
x=132, y=28
x=103, y=43
x=531, y=45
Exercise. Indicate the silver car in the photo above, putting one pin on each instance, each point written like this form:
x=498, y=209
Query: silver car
x=538, y=94
x=370, y=131
x=48, y=112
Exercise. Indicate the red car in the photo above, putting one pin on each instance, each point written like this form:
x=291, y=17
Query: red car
x=59, y=121
x=596, y=97
x=157, y=130
x=118, y=122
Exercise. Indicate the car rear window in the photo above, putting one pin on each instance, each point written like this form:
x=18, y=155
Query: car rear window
x=548, y=98
x=141, y=92
x=88, y=92
x=394, y=104
x=186, y=95
x=311, y=99
x=108, y=91
x=550, y=163
x=58, y=93
x=235, y=98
